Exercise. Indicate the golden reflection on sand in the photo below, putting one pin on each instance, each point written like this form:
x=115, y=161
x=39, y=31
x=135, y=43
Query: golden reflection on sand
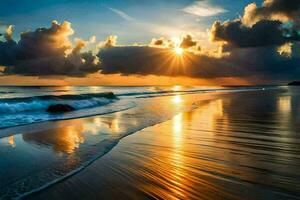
x=284, y=104
x=177, y=99
x=66, y=139
x=93, y=127
x=9, y=141
x=284, y=109
x=177, y=126
x=209, y=113
x=114, y=123
x=177, y=159
x=205, y=118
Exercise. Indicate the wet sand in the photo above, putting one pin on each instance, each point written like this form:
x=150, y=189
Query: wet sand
x=36, y=155
x=234, y=146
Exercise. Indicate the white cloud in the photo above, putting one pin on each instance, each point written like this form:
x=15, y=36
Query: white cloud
x=121, y=14
x=203, y=9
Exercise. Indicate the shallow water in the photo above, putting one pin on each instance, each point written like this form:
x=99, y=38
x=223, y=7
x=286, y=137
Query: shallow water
x=248, y=141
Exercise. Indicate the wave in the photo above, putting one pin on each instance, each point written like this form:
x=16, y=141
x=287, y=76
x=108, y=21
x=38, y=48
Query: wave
x=150, y=94
x=28, y=110
x=162, y=92
x=81, y=101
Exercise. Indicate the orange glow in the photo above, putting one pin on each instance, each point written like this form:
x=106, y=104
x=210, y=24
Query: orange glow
x=11, y=141
x=176, y=88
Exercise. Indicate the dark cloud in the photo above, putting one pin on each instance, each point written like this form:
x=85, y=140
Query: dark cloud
x=159, y=42
x=160, y=61
x=261, y=43
x=46, y=52
x=7, y=52
x=263, y=33
x=283, y=10
x=187, y=42
x=262, y=62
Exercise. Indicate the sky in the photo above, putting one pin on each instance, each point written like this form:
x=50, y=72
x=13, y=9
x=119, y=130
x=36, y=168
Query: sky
x=133, y=42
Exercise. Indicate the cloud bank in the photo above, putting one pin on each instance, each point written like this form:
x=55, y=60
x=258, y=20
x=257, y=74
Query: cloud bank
x=262, y=33
x=263, y=43
x=46, y=52
x=282, y=10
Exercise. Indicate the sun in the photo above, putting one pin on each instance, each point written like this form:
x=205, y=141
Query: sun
x=178, y=51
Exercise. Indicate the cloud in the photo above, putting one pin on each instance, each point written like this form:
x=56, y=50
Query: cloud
x=8, y=33
x=47, y=52
x=286, y=49
x=203, y=9
x=261, y=62
x=158, y=42
x=187, y=42
x=7, y=52
x=109, y=42
x=79, y=44
x=92, y=39
x=161, y=43
x=121, y=14
x=144, y=60
x=282, y=10
x=262, y=33
x=159, y=29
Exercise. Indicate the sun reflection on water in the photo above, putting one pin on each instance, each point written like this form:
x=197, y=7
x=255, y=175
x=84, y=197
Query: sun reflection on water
x=213, y=110
x=9, y=141
x=62, y=140
x=181, y=149
x=115, y=125
x=177, y=99
x=284, y=104
x=176, y=88
x=177, y=123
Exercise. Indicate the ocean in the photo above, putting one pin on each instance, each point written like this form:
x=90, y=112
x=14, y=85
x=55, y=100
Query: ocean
x=25, y=105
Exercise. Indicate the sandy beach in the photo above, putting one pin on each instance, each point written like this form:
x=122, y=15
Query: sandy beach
x=215, y=151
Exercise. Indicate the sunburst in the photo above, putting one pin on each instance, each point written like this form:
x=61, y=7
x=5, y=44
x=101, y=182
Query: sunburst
x=178, y=50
